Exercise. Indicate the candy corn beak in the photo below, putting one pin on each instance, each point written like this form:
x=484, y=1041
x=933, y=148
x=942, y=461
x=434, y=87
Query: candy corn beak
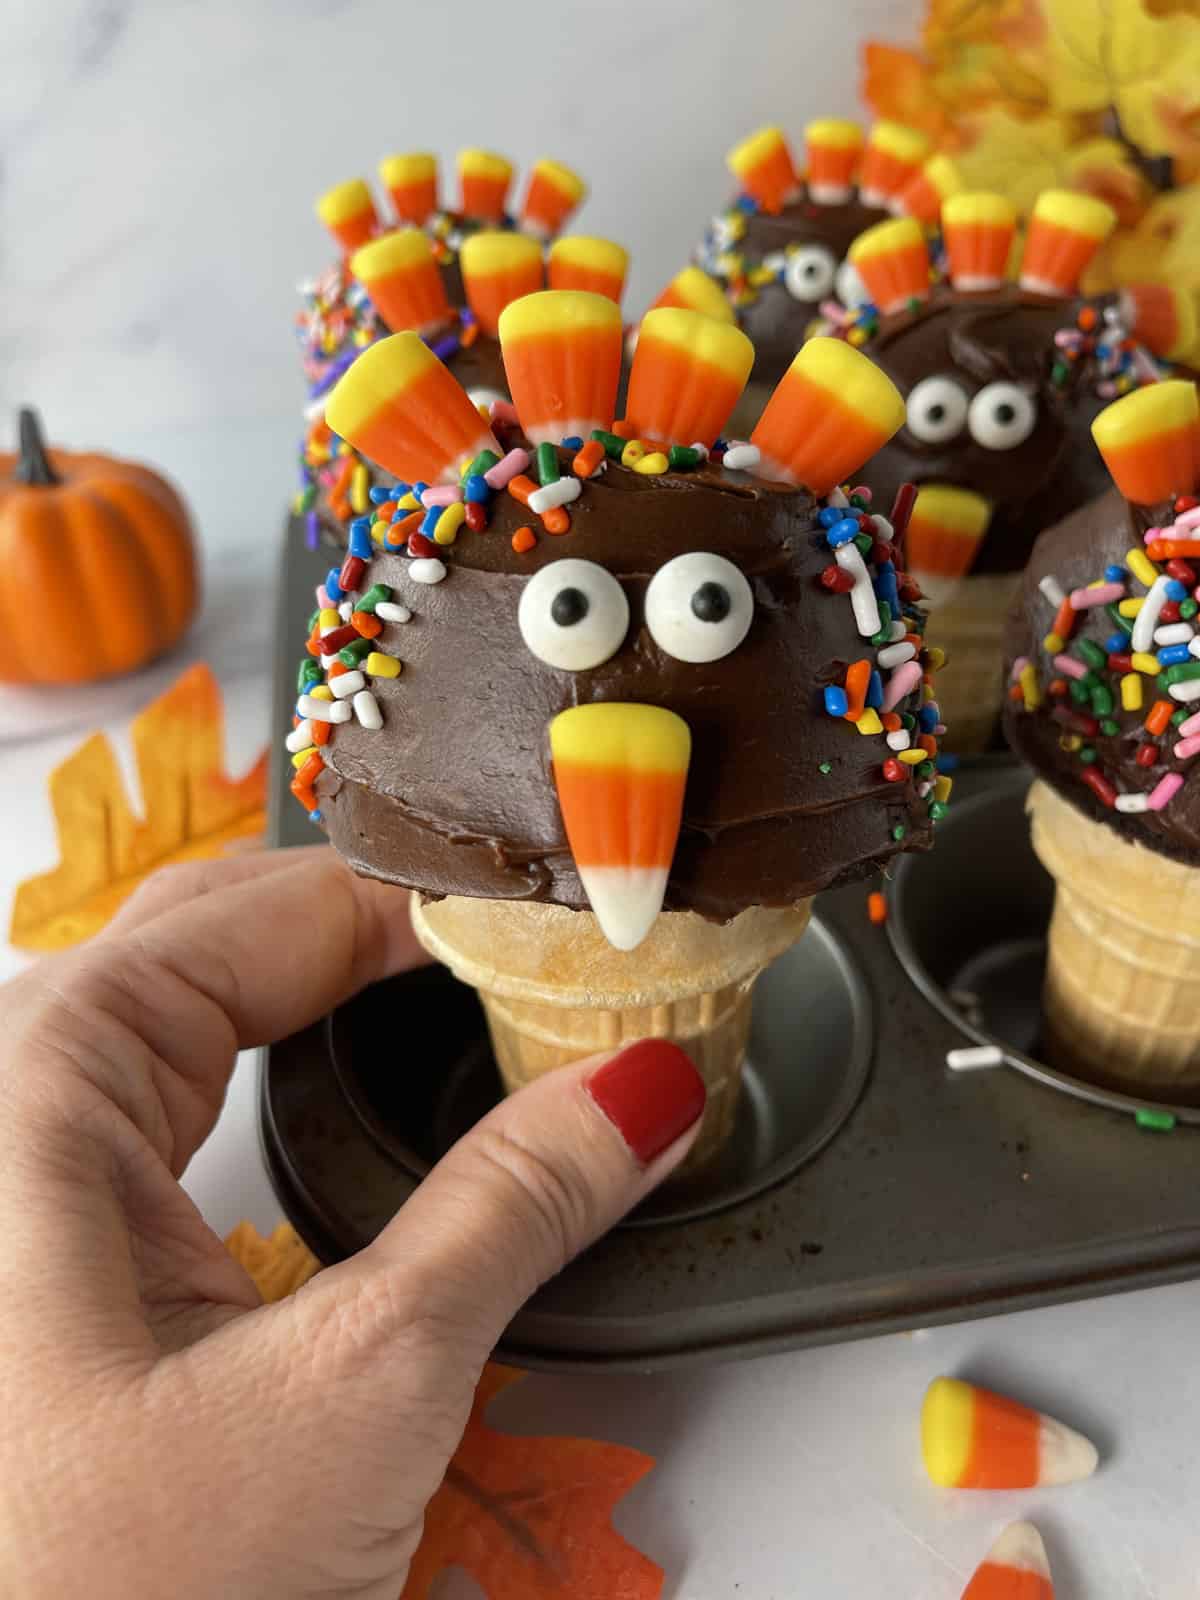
x=1016, y=1568
x=411, y=181
x=402, y=279
x=974, y=1439
x=832, y=149
x=1163, y=318
x=762, y=164
x=693, y=290
x=944, y=534
x=554, y=192
x=597, y=265
x=620, y=772
x=349, y=213
x=1149, y=441
x=978, y=231
x=892, y=259
x=1065, y=231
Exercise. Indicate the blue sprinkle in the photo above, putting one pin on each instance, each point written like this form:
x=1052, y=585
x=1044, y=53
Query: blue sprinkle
x=312, y=530
x=316, y=816
x=430, y=520
x=466, y=316
x=332, y=587
x=360, y=538
x=379, y=492
x=1116, y=643
x=947, y=762
x=1173, y=654
x=1176, y=590
x=842, y=532
x=418, y=489
x=1115, y=574
x=572, y=442
x=746, y=203
x=886, y=587
x=720, y=446
x=836, y=703
x=874, y=691
x=828, y=516
x=477, y=489
x=927, y=718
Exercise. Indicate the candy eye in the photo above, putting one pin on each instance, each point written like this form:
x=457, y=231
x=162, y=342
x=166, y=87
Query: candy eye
x=698, y=607
x=573, y=615
x=1001, y=416
x=937, y=410
x=849, y=286
x=809, y=272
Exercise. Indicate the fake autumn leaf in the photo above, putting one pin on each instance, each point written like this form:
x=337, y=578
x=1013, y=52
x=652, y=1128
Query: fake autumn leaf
x=527, y=1518
x=192, y=810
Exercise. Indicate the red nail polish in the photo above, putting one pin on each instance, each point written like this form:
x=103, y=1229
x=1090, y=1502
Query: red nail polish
x=651, y=1093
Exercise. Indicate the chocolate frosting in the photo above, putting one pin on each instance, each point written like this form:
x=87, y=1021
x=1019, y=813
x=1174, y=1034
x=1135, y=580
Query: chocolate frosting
x=1076, y=553
x=455, y=794
x=983, y=337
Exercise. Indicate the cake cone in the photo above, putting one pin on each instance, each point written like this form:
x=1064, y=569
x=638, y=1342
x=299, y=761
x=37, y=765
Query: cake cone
x=969, y=627
x=555, y=990
x=1123, y=956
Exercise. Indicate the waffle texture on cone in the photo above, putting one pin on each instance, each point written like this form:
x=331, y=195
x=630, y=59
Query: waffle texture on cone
x=970, y=628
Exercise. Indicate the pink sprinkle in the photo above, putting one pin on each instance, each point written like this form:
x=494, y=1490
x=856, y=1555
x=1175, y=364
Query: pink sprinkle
x=1069, y=665
x=505, y=471
x=904, y=680
x=1106, y=594
x=1153, y=533
x=1188, y=519
x=1164, y=790
x=504, y=411
x=441, y=494
x=323, y=600
x=1191, y=726
x=862, y=492
x=1018, y=667
x=1187, y=748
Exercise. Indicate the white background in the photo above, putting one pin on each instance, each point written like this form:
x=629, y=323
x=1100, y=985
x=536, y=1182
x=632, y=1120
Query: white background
x=160, y=159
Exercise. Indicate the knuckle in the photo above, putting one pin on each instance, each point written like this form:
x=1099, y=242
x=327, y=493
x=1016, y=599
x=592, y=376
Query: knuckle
x=548, y=1199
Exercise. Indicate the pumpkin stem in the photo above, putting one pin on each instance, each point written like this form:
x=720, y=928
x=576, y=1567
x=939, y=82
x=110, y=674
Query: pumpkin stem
x=33, y=464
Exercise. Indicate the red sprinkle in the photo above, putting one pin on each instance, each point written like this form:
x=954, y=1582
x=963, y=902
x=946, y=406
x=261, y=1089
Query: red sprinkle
x=354, y=570
x=877, y=909
x=1099, y=785
x=1120, y=662
x=1185, y=502
x=419, y=545
x=837, y=580
x=1169, y=612
x=338, y=639
x=893, y=770
x=1076, y=721
x=909, y=589
x=1147, y=755
x=1056, y=686
x=891, y=721
x=1182, y=571
x=477, y=519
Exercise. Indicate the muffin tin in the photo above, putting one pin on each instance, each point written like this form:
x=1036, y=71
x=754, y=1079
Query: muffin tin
x=867, y=1188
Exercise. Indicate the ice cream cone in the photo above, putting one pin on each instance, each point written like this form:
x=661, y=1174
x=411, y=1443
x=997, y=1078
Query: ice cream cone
x=1123, y=956
x=554, y=989
x=969, y=627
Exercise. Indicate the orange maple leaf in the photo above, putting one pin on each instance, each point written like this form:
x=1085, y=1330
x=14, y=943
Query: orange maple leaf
x=897, y=84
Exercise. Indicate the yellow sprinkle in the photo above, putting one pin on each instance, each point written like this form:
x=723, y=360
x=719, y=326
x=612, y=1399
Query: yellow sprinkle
x=1131, y=692
x=409, y=503
x=485, y=412
x=322, y=691
x=869, y=721
x=327, y=618
x=911, y=758
x=382, y=666
x=1140, y=564
x=652, y=464
x=359, y=484
x=633, y=453
x=942, y=786
x=1070, y=742
x=1143, y=661
x=1054, y=644
x=1097, y=583
x=302, y=756
x=1030, y=687
x=937, y=658
x=857, y=336
x=450, y=521
x=1130, y=608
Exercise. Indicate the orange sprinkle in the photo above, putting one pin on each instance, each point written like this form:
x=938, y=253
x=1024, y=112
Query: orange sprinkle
x=309, y=773
x=1172, y=549
x=524, y=539
x=588, y=459
x=337, y=669
x=557, y=520
x=387, y=510
x=366, y=623
x=321, y=731
x=521, y=488
x=398, y=532
x=1015, y=692
x=891, y=721
x=1158, y=717
x=1064, y=621
x=1087, y=319
x=624, y=430
x=314, y=644
x=1058, y=686
x=304, y=794
x=468, y=335
x=858, y=677
x=929, y=744
x=877, y=908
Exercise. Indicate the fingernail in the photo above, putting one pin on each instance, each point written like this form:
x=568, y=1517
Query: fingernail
x=651, y=1093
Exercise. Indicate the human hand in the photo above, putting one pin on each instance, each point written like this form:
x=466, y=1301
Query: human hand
x=165, y=1433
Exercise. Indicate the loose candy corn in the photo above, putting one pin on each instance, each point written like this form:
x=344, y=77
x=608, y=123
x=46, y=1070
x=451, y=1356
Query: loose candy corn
x=974, y=1439
x=348, y=211
x=762, y=164
x=694, y=290
x=688, y=374
x=946, y=530
x=891, y=160
x=403, y=280
x=1016, y=1568
x=1065, y=231
x=830, y=412
x=1163, y=318
x=400, y=407
x=832, y=149
x=562, y=357
x=498, y=268
x=978, y=231
x=554, y=192
x=597, y=265
x=483, y=179
x=892, y=259
x=1148, y=441
x=411, y=181
x=927, y=191
x=620, y=772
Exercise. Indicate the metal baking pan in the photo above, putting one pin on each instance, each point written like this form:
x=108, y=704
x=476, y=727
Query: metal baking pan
x=868, y=1189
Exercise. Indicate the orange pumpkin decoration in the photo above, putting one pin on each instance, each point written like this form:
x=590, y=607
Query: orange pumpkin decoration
x=98, y=564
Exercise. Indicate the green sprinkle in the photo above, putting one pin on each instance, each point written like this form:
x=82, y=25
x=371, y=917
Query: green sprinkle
x=376, y=593
x=825, y=768
x=859, y=504
x=483, y=462
x=1180, y=716
x=614, y=445
x=926, y=769
x=1058, y=373
x=1155, y=1121
x=1118, y=621
x=864, y=543
x=885, y=624
x=907, y=721
x=312, y=621
x=1188, y=609
x=937, y=810
x=309, y=672
x=1091, y=653
x=899, y=832
x=1185, y=672
x=681, y=457
x=1109, y=728
x=545, y=460
x=356, y=652
x=1086, y=754
x=308, y=495
x=1102, y=700
x=1078, y=690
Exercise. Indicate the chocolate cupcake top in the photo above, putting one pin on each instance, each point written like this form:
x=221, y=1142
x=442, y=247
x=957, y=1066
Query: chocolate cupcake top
x=1103, y=647
x=628, y=668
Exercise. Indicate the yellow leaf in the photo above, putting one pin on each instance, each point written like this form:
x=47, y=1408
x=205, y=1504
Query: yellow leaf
x=279, y=1264
x=1104, y=51
x=191, y=808
x=1014, y=156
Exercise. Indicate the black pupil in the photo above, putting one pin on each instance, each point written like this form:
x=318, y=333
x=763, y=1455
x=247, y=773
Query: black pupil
x=1006, y=412
x=937, y=412
x=568, y=607
x=711, y=603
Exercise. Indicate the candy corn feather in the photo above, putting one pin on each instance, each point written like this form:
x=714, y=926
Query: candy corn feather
x=402, y=278
x=974, y=1439
x=553, y=193
x=562, y=358
x=483, y=182
x=890, y=161
x=692, y=289
x=498, y=268
x=1148, y=441
x=762, y=164
x=411, y=181
x=832, y=148
x=348, y=211
x=945, y=530
x=1065, y=231
x=978, y=231
x=580, y=262
x=688, y=374
x=892, y=259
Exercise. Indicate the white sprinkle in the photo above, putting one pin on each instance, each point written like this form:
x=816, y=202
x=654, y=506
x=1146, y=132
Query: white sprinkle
x=1146, y=620
x=1174, y=633
x=974, y=1058
x=900, y=740
x=862, y=596
x=1133, y=802
x=327, y=661
x=300, y=737
x=322, y=710
x=742, y=457
x=1185, y=691
x=366, y=709
x=559, y=493
x=882, y=526
x=893, y=654
x=898, y=632
x=1194, y=647
x=923, y=789
x=700, y=448
x=346, y=610
x=836, y=498
x=1052, y=589
x=347, y=684
x=387, y=612
x=427, y=569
